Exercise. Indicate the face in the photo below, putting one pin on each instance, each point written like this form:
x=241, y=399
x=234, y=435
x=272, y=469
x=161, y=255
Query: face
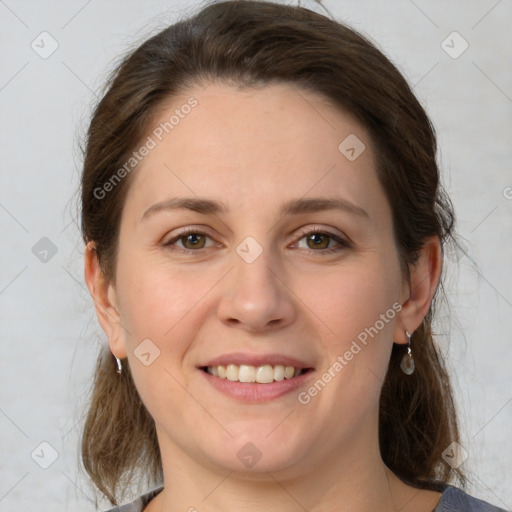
x=251, y=241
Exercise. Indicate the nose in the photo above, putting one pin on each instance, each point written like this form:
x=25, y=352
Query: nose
x=255, y=296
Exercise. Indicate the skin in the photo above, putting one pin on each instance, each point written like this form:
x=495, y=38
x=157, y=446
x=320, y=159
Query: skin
x=254, y=150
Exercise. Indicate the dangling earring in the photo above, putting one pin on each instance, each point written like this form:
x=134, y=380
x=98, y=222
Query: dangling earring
x=119, y=365
x=407, y=364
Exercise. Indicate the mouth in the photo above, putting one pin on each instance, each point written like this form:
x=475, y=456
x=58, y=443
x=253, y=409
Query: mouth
x=262, y=374
x=256, y=378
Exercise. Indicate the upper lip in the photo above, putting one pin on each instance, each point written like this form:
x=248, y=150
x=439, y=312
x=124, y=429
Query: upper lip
x=239, y=358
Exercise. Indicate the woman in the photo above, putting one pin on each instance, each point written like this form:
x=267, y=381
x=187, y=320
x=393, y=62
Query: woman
x=264, y=230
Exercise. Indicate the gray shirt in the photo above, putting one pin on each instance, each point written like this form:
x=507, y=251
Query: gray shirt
x=452, y=500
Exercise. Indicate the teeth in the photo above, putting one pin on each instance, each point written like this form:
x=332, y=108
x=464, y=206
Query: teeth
x=232, y=372
x=247, y=373
x=279, y=372
x=264, y=374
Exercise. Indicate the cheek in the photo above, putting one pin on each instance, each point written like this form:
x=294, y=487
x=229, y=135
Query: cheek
x=155, y=298
x=165, y=304
x=357, y=309
x=348, y=302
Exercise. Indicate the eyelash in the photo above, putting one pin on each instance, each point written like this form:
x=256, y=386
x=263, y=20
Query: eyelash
x=342, y=244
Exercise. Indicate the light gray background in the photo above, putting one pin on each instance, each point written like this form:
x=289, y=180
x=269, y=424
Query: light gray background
x=50, y=335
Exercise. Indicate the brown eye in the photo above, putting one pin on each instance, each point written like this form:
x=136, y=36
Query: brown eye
x=318, y=241
x=193, y=241
x=189, y=241
x=321, y=242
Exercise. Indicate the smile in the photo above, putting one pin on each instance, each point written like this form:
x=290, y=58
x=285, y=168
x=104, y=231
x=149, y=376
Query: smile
x=264, y=374
x=256, y=384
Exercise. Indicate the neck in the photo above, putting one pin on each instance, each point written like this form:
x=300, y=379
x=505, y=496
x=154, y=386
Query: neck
x=350, y=479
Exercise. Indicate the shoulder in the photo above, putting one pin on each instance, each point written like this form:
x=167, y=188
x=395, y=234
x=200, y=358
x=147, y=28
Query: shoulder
x=139, y=504
x=455, y=500
x=452, y=500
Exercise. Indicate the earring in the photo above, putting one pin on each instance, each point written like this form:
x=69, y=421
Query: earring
x=407, y=364
x=119, y=365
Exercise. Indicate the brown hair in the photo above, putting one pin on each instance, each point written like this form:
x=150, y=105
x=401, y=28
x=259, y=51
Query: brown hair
x=249, y=43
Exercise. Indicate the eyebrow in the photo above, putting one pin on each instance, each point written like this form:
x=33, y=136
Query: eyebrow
x=293, y=207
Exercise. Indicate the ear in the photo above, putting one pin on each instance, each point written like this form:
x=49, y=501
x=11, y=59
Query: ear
x=418, y=294
x=105, y=302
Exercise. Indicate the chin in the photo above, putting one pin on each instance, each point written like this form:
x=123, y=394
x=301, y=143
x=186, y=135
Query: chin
x=251, y=462
x=255, y=451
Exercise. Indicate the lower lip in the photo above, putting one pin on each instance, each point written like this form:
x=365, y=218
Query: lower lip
x=254, y=392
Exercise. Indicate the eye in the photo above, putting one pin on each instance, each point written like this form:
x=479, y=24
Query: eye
x=188, y=240
x=322, y=242
x=315, y=240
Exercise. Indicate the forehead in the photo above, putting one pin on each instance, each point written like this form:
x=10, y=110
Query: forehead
x=258, y=143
